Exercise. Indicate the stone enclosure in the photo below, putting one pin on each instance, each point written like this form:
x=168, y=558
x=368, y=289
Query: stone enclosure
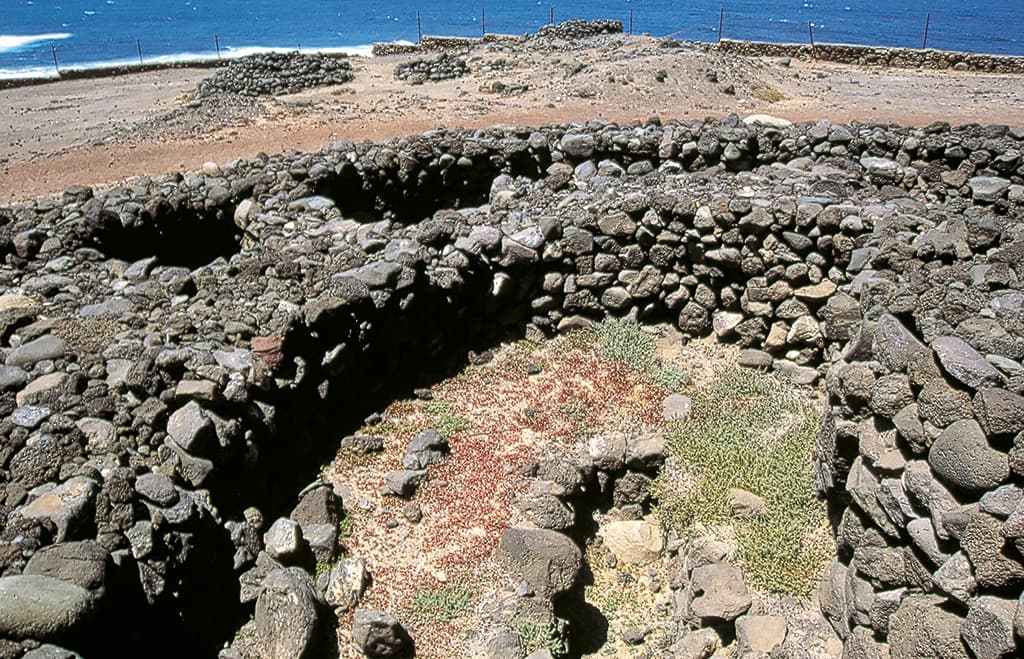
x=182, y=352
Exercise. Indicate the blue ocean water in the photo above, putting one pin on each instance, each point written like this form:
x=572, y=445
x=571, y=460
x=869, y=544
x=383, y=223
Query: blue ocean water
x=89, y=33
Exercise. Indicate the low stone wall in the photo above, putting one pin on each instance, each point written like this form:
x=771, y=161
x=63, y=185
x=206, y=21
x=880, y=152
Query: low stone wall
x=384, y=49
x=442, y=67
x=579, y=29
x=277, y=73
x=909, y=58
x=181, y=352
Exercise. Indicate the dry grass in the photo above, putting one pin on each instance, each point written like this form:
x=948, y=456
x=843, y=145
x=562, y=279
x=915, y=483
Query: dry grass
x=497, y=418
x=768, y=94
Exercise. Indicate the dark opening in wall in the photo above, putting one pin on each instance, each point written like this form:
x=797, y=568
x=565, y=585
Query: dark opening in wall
x=176, y=237
x=411, y=194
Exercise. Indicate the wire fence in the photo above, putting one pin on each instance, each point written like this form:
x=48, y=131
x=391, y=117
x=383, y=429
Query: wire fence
x=940, y=30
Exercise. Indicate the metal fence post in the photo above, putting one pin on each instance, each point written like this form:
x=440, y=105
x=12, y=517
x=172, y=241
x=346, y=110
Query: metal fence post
x=721, y=18
x=419, y=29
x=810, y=33
x=216, y=42
x=483, y=22
x=927, y=22
x=630, y=21
x=53, y=50
x=138, y=46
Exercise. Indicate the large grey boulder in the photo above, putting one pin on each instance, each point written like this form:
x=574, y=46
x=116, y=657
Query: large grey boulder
x=991, y=554
x=608, y=451
x=343, y=586
x=894, y=345
x=546, y=511
x=922, y=629
x=940, y=404
x=965, y=363
x=157, y=488
x=84, y=564
x=722, y=592
x=191, y=429
x=999, y=411
x=988, y=188
x=284, y=541
x=577, y=146
x=956, y=578
x=832, y=597
x=379, y=635
x=287, y=614
x=863, y=487
x=427, y=448
x=403, y=482
x=962, y=457
x=42, y=608
x=37, y=350
x=318, y=514
x=698, y=644
x=928, y=492
x=922, y=534
x=988, y=628
x=549, y=561
x=66, y=505
x=760, y=634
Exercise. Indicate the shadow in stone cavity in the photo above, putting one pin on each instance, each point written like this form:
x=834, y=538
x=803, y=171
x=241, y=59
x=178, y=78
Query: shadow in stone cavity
x=175, y=236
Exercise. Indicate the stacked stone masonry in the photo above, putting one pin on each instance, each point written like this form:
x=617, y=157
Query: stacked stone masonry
x=442, y=67
x=179, y=350
x=907, y=58
x=276, y=74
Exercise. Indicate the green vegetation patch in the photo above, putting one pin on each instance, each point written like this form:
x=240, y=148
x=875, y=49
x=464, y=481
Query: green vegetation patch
x=750, y=431
x=534, y=636
x=444, y=419
x=628, y=343
x=440, y=604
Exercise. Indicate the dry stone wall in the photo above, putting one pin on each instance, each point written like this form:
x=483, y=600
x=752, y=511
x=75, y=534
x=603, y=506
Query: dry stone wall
x=909, y=58
x=180, y=352
x=277, y=73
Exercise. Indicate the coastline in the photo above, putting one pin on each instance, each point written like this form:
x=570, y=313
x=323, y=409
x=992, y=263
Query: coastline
x=842, y=53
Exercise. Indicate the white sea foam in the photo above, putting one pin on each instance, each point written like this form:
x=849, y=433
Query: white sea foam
x=12, y=42
x=129, y=62
x=22, y=74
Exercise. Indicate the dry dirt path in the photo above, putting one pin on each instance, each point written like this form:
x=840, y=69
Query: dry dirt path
x=106, y=130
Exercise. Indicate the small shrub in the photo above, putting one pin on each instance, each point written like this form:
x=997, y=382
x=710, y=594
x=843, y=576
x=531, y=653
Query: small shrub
x=346, y=527
x=534, y=636
x=441, y=604
x=768, y=94
x=323, y=568
x=750, y=431
x=443, y=419
x=579, y=415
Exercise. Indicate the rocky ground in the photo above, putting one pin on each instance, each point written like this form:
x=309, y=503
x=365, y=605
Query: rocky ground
x=146, y=124
x=237, y=413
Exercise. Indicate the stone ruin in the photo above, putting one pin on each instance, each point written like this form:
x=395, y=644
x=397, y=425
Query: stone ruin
x=274, y=74
x=181, y=352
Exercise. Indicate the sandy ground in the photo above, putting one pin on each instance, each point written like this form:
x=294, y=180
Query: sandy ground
x=103, y=131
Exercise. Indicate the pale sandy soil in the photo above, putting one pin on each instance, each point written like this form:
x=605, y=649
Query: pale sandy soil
x=106, y=130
